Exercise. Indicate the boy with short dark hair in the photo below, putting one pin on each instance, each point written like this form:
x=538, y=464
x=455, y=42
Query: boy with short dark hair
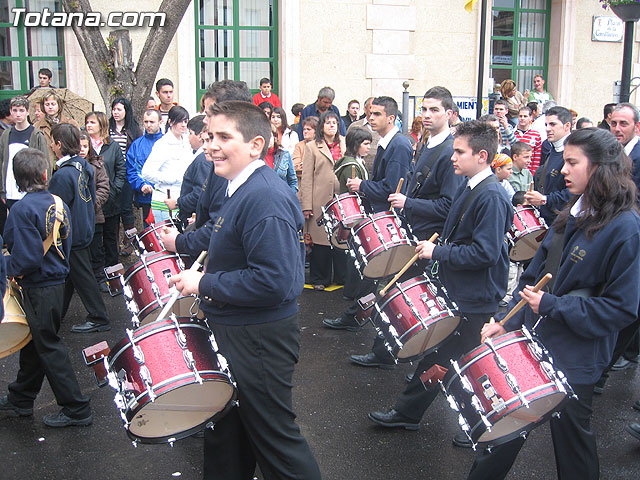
x=521, y=177
x=265, y=94
x=249, y=294
x=38, y=235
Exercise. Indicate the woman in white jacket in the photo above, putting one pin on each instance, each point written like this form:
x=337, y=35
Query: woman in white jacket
x=287, y=138
x=167, y=162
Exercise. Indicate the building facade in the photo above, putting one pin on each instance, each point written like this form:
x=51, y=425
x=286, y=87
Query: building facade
x=360, y=48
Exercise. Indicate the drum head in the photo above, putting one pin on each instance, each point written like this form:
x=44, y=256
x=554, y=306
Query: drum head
x=388, y=262
x=526, y=246
x=523, y=419
x=425, y=340
x=180, y=410
x=13, y=336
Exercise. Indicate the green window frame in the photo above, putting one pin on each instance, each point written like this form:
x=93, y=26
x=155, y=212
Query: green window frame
x=238, y=43
x=27, y=65
x=507, y=42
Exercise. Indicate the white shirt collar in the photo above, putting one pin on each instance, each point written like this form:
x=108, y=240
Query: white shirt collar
x=384, y=141
x=436, y=140
x=479, y=177
x=629, y=146
x=198, y=152
x=243, y=176
x=559, y=145
x=62, y=160
x=577, y=207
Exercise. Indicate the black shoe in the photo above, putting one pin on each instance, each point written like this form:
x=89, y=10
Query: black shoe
x=408, y=378
x=88, y=327
x=7, y=406
x=634, y=429
x=348, y=298
x=371, y=360
x=104, y=288
x=637, y=405
x=393, y=419
x=342, y=323
x=622, y=364
x=57, y=420
x=461, y=440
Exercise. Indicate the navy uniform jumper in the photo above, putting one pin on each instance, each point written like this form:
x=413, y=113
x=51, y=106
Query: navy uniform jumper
x=42, y=283
x=249, y=296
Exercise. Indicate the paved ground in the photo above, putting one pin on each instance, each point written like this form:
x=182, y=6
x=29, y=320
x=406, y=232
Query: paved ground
x=332, y=399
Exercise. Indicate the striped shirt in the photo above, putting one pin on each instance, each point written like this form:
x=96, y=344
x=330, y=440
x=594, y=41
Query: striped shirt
x=120, y=139
x=532, y=137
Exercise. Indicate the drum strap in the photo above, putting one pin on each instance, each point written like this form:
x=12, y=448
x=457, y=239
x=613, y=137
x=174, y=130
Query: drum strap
x=554, y=255
x=53, y=237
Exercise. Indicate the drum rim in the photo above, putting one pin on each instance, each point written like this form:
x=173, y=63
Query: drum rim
x=516, y=336
x=150, y=256
x=185, y=433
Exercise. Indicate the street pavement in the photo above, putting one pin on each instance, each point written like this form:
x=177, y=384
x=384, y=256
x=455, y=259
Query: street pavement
x=332, y=398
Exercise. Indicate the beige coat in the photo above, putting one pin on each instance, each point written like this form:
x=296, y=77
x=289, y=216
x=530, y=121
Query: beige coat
x=319, y=184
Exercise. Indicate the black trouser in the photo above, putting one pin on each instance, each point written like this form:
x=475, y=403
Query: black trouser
x=354, y=286
x=323, y=258
x=262, y=429
x=82, y=279
x=110, y=240
x=97, y=253
x=574, y=445
x=46, y=355
x=126, y=205
x=415, y=399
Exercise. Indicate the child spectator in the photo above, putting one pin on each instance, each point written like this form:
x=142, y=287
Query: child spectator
x=502, y=168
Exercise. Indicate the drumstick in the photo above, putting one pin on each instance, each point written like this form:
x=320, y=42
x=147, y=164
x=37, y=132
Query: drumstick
x=543, y=281
x=168, y=197
x=167, y=306
x=353, y=171
x=526, y=202
x=399, y=188
x=405, y=268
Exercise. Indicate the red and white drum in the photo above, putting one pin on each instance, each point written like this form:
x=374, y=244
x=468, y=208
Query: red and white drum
x=505, y=388
x=526, y=234
x=150, y=237
x=381, y=245
x=342, y=213
x=170, y=380
x=146, y=287
x=415, y=317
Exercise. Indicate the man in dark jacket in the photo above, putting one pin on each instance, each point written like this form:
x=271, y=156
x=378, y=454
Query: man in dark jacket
x=326, y=95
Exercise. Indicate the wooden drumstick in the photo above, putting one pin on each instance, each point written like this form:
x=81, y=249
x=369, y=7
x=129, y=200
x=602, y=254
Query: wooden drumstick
x=353, y=171
x=526, y=202
x=399, y=188
x=168, y=197
x=405, y=268
x=543, y=281
x=167, y=306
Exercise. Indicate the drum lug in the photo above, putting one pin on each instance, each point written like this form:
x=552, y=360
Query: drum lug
x=210, y=425
x=235, y=403
x=171, y=441
x=126, y=290
x=191, y=364
x=145, y=375
x=156, y=291
x=137, y=352
x=134, y=443
x=393, y=232
x=556, y=414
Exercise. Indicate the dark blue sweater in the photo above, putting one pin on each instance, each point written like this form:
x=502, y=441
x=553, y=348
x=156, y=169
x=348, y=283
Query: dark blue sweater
x=635, y=167
x=474, y=265
x=193, y=182
x=427, y=208
x=389, y=166
x=581, y=332
x=77, y=189
x=29, y=224
x=255, y=268
x=209, y=203
x=554, y=187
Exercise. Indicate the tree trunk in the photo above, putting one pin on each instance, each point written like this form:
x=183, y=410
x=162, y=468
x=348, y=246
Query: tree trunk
x=111, y=63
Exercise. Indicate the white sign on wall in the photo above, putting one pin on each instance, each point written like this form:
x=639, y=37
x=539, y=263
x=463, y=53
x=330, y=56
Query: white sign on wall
x=607, y=29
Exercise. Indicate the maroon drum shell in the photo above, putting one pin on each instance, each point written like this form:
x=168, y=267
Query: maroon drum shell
x=143, y=296
x=540, y=391
x=526, y=233
x=150, y=236
x=165, y=361
x=343, y=212
x=383, y=254
x=442, y=318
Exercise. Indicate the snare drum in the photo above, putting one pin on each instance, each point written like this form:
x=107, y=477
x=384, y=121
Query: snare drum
x=150, y=237
x=170, y=380
x=415, y=317
x=526, y=234
x=381, y=245
x=14, y=329
x=505, y=388
x=342, y=213
x=146, y=287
